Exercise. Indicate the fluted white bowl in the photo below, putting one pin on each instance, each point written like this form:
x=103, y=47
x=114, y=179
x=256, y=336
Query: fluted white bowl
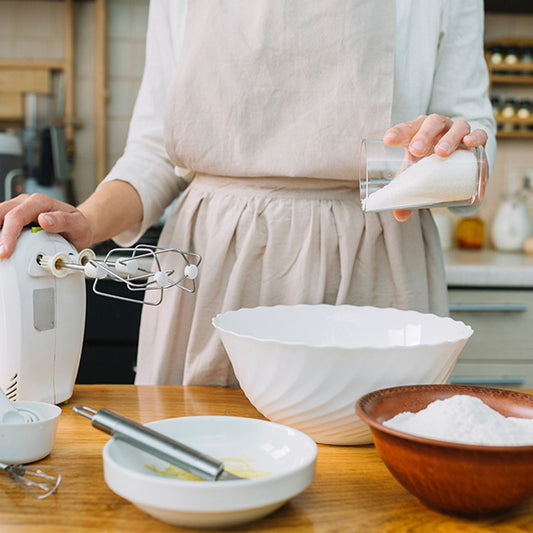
x=305, y=366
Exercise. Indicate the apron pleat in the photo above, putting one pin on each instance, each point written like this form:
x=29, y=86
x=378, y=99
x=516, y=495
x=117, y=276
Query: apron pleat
x=282, y=245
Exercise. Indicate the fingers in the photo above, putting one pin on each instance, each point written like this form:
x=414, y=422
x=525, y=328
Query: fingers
x=401, y=215
x=451, y=140
x=423, y=133
x=434, y=132
x=401, y=134
x=23, y=210
x=10, y=204
x=431, y=131
x=15, y=214
x=72, y=225
x=476, y=138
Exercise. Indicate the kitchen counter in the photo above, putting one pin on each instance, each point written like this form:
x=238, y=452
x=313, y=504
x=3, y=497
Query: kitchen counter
x=352, y=491
x=488, y=268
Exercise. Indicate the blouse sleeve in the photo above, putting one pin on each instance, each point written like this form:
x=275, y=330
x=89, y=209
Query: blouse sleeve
x=145, y=163
x=461, y=83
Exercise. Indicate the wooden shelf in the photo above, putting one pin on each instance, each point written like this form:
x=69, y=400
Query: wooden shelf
x=66, y=66
x=46, y=64
x=101, y=93
x=516, y=121
x=513, y=79
x=11, y=101
x=519, y=74
x=514, y=134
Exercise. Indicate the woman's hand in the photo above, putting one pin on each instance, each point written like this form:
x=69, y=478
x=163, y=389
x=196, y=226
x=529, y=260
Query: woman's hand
x=114, y=207
x=432, y=133
x=52, y=215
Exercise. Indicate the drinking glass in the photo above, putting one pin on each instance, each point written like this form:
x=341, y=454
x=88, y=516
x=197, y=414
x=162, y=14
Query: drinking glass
x=390, y=177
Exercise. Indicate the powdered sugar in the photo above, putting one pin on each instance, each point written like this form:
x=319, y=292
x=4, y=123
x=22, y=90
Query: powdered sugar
x=430, y=181
x=465, y=419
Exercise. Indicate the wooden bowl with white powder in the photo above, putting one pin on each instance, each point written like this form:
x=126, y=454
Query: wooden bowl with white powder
x=462, y=450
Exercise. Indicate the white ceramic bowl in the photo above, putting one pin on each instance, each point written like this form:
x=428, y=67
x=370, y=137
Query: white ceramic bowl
x=286, y=455
x=30, y=441
x=305, y=366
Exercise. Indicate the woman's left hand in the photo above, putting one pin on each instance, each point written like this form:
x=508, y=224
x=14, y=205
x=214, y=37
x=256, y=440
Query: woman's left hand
x=429, y=133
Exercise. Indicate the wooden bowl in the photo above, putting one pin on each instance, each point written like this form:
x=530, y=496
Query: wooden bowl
x=458, y=479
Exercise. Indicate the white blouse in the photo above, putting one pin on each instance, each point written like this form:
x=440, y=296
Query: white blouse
x=439, y=68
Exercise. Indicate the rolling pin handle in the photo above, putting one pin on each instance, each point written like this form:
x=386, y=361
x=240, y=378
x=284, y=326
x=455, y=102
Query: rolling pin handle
x=85, y=411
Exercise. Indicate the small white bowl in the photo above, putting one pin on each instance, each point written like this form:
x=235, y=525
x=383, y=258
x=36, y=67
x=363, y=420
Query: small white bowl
x=286, y=456
x=305, y=366
x=30, y=441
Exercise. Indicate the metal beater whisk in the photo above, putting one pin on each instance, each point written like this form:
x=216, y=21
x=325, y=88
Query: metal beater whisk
x=140, y=268
x=39, y=481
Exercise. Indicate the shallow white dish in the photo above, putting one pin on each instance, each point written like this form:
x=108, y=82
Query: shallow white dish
x=286, y=455
x=30, y=441
x=305, y=366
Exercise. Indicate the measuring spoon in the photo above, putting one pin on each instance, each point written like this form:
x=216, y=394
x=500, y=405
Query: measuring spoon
x=9, y=414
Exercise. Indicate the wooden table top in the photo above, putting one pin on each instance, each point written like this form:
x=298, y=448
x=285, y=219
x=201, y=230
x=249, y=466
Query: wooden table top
x=353, y=491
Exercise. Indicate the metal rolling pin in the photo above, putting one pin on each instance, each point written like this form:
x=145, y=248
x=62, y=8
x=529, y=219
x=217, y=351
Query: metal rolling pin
x=157, y=444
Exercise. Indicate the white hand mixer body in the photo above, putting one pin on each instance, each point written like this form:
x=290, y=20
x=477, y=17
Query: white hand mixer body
x=43, y=300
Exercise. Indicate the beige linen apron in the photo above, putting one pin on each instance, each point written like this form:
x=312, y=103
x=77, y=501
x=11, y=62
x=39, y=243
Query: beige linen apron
x=268, y=108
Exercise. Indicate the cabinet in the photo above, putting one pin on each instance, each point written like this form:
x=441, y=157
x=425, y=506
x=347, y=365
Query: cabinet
x=109, y=351
x=500, y=352
x=509, y=78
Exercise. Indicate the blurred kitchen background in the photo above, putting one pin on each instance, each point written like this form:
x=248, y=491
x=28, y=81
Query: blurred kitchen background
x=91, y=54
x=69, y=73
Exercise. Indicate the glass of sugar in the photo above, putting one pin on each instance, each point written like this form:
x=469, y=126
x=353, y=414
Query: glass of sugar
x=390, y=177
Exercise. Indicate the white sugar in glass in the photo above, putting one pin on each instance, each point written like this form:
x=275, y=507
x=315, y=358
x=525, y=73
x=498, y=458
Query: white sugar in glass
x=392, y=178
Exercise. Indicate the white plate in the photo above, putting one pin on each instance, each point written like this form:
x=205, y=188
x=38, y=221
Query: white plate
x=285, y=457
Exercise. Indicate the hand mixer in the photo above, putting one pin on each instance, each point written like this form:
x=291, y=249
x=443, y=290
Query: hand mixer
x=42, y=305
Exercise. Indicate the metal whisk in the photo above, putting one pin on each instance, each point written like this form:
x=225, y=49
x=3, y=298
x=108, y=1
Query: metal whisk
x=130, y=270
x=139, y=268
x=39, y=481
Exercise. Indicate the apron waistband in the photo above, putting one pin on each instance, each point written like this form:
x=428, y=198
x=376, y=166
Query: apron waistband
x=299, y=188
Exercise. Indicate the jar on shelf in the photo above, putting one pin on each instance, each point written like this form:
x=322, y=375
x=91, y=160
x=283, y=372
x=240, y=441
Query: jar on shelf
x=508, y=111
x=496, y=55
x=496, y=108
x=524, y=112
x=509, y=108
x=526, y=59
x=527, y=55
x=496, y=104
x=511, y=56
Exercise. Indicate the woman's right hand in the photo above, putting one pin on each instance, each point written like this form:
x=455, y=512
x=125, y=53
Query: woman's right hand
x=50, y=214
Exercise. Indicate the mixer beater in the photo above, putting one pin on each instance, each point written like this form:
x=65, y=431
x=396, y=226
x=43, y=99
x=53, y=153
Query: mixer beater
x=139, y=268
